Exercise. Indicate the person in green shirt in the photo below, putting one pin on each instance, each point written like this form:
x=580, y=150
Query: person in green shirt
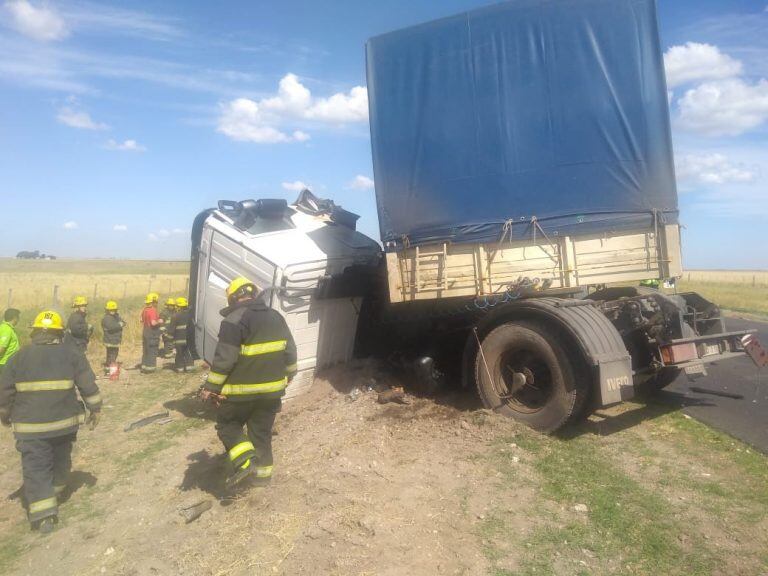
x=9, y=340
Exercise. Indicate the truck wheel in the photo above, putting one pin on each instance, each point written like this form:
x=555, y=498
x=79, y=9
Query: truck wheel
x=532, y=379
x=659, y=381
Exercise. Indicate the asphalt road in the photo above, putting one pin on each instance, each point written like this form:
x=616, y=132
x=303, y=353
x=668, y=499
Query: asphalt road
x=744, y=416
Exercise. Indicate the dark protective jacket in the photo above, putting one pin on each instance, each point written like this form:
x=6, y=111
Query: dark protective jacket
x=255, y=355
x=178, y=327
x=112, y=326
x=78, y=330
x=37, y=389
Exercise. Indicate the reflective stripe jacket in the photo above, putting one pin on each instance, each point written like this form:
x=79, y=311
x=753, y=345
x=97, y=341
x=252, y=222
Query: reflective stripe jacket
x=178, y=327
x=37, y=389
x=255, y=355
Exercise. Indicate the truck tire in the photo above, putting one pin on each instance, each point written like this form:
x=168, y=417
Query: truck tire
x=533, y=380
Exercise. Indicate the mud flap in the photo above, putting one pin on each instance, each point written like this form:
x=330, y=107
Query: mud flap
x=616, y=383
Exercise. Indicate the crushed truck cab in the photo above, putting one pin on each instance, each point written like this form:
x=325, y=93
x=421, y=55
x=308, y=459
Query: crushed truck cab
x=307, y=259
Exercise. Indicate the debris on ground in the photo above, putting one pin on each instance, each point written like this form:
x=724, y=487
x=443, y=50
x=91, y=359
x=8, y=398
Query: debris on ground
x=147, y=420
x=192, y=513
x=396, y=395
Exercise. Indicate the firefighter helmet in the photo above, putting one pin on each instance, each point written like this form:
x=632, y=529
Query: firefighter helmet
x=111, y=305
x=79, y=301
x=171, y=302
x=181, y=302
x=240, y=286
x=48, y=320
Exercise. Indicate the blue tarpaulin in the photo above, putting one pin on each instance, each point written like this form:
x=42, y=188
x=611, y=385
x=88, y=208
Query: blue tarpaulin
x=545, y=114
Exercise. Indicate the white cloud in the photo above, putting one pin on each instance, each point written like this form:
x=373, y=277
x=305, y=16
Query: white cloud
x=694, y=62
x=120, y=228
x=71, y=225
x=40, y=22
x=125, y=146
x=361, y=182
x=712, y=168
x=264, y=121
x=107, y=20
x=724, y=108
x=243, y=120
x=165, y=234
x=342, y=108
x=296, y=186
x=79, y=119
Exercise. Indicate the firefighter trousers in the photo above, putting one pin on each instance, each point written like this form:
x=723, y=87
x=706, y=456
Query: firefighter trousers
x=253, y=447
x=46, y=464
x=150, y=341
x=112, y=353
x=183, y=358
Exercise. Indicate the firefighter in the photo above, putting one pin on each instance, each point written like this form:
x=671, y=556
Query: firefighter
x=9, y=340
x=38, y=400
x=178, y=330
x=78, y=330
x=166, y=335
x=255, y=359
x=150, y=336
x=112, y=327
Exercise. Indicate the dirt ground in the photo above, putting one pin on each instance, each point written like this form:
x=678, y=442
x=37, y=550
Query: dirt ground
x=437, y=486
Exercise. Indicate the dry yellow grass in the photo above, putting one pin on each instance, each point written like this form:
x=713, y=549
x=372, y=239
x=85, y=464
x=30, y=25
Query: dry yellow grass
x=34, y=284
x=745, y=277
x=29, y=286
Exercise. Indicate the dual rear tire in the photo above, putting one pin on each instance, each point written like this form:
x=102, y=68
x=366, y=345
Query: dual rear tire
x=523, y=371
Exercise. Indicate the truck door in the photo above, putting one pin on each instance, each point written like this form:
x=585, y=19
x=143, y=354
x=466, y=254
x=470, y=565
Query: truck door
x=225, y=259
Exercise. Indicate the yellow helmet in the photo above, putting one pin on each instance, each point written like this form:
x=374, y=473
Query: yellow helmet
x=171, y=302
x=239, y=284
x=151, y=298
x=181, y=302
x=48, y=320
x=79, y=301
x=111, y=305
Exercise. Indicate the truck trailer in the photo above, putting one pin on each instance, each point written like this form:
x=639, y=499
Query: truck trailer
x=525, y=188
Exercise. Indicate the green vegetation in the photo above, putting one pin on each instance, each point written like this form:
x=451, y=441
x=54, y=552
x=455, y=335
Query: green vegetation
x=739, y=297
x=614, y=504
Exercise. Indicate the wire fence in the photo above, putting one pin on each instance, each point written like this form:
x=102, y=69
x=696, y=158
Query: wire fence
x=26, y=291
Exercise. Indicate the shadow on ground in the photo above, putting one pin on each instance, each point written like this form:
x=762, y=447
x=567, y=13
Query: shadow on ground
x=77, y=480
x=206, y=473
x=603, y=423
x=191, y=407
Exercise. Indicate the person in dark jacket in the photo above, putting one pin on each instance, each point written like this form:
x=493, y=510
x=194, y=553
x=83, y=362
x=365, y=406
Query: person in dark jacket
x=178, y=329
x=78, y=330
x=112, y=327
x=38, y=400
x=254, y=360
x=169, y=310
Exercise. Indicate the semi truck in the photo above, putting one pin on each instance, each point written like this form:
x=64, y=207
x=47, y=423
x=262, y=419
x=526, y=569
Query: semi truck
x=525, y=189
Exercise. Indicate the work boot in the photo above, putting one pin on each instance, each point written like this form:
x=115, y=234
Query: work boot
x=47, y=525
x=240, y=474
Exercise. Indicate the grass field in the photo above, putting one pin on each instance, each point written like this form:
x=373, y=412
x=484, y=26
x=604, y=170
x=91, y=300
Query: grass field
x=737, y=290
x=31, y=285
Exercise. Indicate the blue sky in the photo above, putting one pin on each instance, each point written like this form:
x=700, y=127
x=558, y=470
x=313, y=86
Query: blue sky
x=120, y=121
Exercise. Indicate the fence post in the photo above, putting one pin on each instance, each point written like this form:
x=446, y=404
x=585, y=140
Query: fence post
x=95, y=291
x=10, y=297
x=689, y=276
x=55, y=295
x=753, y=280
x=186, y=288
